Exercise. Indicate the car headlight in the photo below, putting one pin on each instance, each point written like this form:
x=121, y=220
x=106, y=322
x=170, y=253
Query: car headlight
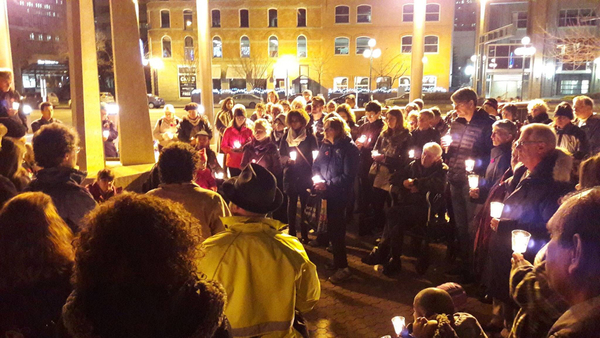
x=27, y=109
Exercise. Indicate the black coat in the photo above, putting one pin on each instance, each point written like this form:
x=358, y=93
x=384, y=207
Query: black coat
x=499, y=162
x=63, y=184
x=591, y=128
x=371, y=130
x=187, y=130
x=297, y=176
x=541, y=118
x=529, y=203
x=337, y=164
x=421, y=137
x=394, y=144
x=432, y=179
x=110, y=150
x=263, y=153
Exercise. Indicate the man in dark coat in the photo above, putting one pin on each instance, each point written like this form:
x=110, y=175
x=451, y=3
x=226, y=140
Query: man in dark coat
x=589, y=122
x=424, y=133
x=47, y=117
x=570, y=137
x=55, y=149
x=471, y=141
x=532, y=197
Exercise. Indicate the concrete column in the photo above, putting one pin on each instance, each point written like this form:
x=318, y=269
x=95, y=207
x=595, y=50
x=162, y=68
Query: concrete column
x=418, y=45
x=5, y=51
x=85, y=91
x=204, y=58
x=135, y=131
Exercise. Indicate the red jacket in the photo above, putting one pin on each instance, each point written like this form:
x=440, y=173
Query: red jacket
x=232, y=136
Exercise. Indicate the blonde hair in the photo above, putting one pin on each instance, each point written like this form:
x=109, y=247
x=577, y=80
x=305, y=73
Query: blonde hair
x=538, y=104
x=298, y=103
x=336, y=122
x=263, y=124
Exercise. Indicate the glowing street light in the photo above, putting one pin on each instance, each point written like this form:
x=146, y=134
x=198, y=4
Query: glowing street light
x=525, y=52
x=371, y=54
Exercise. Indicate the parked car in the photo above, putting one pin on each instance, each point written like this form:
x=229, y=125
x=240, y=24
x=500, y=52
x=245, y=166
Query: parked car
x=30, y=102
x=107, y=97
x=155, y=101
x=53, y=99
x=362, y=98
x=248, y=100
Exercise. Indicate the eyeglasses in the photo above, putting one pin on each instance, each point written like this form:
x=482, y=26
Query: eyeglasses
x=523, y=143
x=77, y=149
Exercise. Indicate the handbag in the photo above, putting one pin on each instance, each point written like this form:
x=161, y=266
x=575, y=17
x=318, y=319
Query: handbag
x=380, y=174
x=315, y=214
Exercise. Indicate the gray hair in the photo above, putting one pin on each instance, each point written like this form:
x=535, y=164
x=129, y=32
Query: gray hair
x=540, y=132
x=433, y=148
x=506, y=125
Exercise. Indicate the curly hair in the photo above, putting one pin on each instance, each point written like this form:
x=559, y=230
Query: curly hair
x=336, y=122
x=177, y=163
x=52, y=142
x=35, y=242
x=345, y=108
x=301, y=113
x=539, y=105
x=225, y=102
x=136, y=241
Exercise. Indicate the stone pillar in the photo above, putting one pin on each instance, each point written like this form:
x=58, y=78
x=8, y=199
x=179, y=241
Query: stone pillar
x=135, y=131
x=418, y=46
x=204, y=57
x=85, y=91
x=5, y=51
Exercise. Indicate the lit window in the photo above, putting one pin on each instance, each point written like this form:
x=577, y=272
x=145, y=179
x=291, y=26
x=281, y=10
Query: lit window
x=32, y=36
x=301, y=17
x=40, y=37
x=273, y=47
x=363, y=14
x=406, y=44
x=216, y=18
x=188, y=20
x=301, y=46
x=244, y=18
x=48, y=37
x=188, y=50
x=272, y=18
x=245, y=47
x=29, y=4
x=362, y=44
x=166, y=47
x=361, y=83
x=342, y=14
x=431, y=44
x=340, y=83
x=432, y=12
x=342, y=46
x=408, y=12
x=217, y=47
x=165, y=19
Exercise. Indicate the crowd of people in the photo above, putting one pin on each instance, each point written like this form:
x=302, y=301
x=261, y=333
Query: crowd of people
x=211, y=249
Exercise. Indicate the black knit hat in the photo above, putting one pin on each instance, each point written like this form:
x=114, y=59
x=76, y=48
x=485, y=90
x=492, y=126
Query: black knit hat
x=564, y=109
x=492, y=103
x=255, y=190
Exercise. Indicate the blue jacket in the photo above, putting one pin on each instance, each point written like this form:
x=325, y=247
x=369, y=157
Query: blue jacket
x=337, y=164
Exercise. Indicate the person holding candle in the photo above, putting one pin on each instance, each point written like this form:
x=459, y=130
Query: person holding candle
x=10, y=105
x=369, y=132
x=109, y=133
x=532, y=197
x=261, y=150
x=471, y=140
x=279, y=126
x=337, y=165
x=424, y=133
x=192, y=123
x=316, y=118
x=165, y=130
x=211, y=166
x=234, y=138
x=347, y=114
x=297, y=173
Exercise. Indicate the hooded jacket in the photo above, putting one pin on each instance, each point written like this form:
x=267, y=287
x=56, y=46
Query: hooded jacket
x=337, y=164
x=263, y=153
x=530, y=202
x=267, y=274
x=574, y=140
x=63, y=184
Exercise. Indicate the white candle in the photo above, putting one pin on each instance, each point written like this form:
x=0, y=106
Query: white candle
x=169, y=135
x=496, y=209
x=253, y=160
x=315, y=153
x=473, y=181
x=362, y=139
x=317, y=179
x=520, y=241
x=219, y=176
x=106, y=133
x=469, y=165
x=375, y=153
x=293, y=155
x=220, y=159
x=446, y=140
x=15, y=105
x=411, y=153
x=398, y=323
x=237, y=144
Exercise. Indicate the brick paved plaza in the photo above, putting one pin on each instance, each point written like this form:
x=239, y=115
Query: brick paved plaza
x=364, y=306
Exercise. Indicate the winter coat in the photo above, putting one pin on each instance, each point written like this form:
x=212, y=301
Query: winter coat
x=297, y=176
x=163, y=128
x=371, y=131
x=263, y=153
x=394, y=145
x=580, y=321
x=64, y=186
x=421, y=137
x=442, y=127
x=187, y=130
x=110, y=149
x=205, y=179
x=591, y=128
x=37, y=124
x=223, y=120
x=232, y=135
x=337, y=164
x=207, y=206
x=541, y=118
x=470, y=140
x=100, y=196
x=432, y=179
x=500, y=157
x=316, y=128
x=263, y=269
x=574, y=140
x=192, y=310
x=33, y=310
x=529, y=203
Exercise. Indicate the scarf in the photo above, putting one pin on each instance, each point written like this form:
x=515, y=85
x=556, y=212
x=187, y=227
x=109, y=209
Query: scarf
x=294, y=140
x=195, y=121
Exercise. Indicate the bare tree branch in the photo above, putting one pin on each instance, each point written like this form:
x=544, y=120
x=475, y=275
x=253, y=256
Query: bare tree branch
x=319, y=65
x=254, y=69
x=575, y=44
x=389, y=65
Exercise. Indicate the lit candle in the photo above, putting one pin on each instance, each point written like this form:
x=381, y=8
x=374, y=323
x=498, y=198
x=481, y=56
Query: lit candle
x=169, y=135
x=220, y=159
x=106, y=133
x=520, y=241
x=219, y=176
x=496, y=209
x=317, y=179
x=15, y=105
x=253, y=160
x=375, y=153
x=411, y=153
x=315, y=153
x=446, y=140
x=469, y=165
x=398, y=323
x=473, y=181
x=293, y=155
x=237, y=144
x=362, y=139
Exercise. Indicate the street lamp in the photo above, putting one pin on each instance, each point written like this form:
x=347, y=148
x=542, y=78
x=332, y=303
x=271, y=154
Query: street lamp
x=371, y=54
x=524, y=52
x=287, y=62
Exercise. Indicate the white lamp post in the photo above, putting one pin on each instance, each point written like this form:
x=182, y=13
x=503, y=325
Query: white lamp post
x=371, y=54
x=524, y=52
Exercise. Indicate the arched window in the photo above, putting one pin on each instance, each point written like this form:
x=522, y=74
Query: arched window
x=217, y=47
x=166, y=47
x=406, y=44
x=342, y=46
x=432, y=12
x=273, y=47
x=363, y=14
x=245, y=47
x=340, y=83
x=431, y=44
x=342, y=14
x=408, y=12
x=188, y=49
x=188, y=20
x=301, y=46
x=216, y=18
x=362, y=44
x=165, y=18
